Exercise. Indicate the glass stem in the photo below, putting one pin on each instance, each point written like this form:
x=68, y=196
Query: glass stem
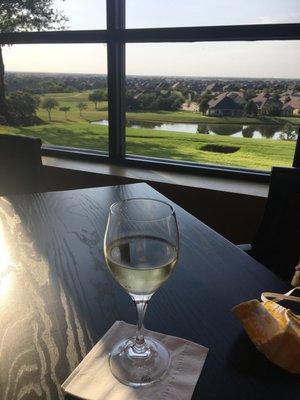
x=141, y=306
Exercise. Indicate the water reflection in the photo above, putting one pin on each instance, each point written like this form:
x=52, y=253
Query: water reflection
x=288, y=132
x=277, y=132
x=144, y=124
x=218, y=129
x=288, y=136
x=263, y=131
x=248, y=131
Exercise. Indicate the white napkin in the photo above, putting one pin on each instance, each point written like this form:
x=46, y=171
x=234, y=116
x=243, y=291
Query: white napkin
x=92, y=379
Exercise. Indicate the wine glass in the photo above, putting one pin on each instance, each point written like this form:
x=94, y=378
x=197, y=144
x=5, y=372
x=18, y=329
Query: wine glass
x=141, y=251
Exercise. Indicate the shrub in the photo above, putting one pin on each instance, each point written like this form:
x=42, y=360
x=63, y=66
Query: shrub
x=22, y=107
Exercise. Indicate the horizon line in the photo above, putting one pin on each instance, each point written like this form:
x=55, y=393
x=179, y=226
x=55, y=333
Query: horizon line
x=153, y=76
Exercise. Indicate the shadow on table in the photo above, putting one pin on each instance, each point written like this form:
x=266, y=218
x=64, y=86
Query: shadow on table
x=247, y=360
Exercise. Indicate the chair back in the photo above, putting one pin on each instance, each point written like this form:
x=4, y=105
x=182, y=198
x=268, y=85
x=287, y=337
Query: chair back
x=277, y=243
x=20, y=164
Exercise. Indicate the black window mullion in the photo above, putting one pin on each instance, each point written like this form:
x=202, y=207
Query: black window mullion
x=54, y=37
x=229, y=33
x=296, y=162
x=116, y=79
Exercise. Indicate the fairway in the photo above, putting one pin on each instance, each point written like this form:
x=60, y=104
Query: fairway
x=202, y=148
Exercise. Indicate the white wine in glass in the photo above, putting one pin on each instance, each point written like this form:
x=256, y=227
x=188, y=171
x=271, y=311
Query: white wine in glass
x=141, y=251
x=136, y=276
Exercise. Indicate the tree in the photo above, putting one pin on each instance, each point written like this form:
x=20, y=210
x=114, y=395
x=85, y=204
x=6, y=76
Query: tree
x=65, y=110
x=146, y=100
x=96, y=96
x=272, y=107
x=168, y=101
x=133, y=103
x=204, y=100
x=81, y=106
x=249, y=94
x=49, y=104
x=23, y=106
x=26, y=15
x=250, y=108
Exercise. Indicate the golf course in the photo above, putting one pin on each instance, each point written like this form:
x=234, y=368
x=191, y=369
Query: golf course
x=71, y=129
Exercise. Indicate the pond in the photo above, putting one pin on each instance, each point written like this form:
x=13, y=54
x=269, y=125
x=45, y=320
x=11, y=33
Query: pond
x=277, y=132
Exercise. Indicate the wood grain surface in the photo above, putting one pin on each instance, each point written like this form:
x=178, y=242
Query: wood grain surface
x=57, y=298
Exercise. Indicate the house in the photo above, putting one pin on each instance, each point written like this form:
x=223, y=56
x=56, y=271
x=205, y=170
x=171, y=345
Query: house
x=224, y=106
x=260, y=101
x=162, y=85
x=274, y=103
x=230, y=87
x=214, y=87
x=292, y=107
x=264, y=100
x=238, y=97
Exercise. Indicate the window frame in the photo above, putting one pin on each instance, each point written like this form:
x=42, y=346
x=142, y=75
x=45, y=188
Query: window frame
x=116, y=36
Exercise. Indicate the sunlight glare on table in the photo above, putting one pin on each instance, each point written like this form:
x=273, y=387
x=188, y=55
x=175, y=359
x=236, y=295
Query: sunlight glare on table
x=5, y=261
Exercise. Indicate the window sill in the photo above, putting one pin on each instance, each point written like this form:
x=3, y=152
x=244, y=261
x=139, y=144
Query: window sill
x=237, y=186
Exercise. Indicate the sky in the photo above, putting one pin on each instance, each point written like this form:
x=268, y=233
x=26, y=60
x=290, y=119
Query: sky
x=235, y=59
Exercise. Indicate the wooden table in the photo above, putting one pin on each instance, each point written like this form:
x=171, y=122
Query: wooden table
x=57, y=298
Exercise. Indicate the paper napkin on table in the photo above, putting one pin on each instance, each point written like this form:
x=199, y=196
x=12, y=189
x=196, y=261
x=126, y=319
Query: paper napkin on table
x=92, y=379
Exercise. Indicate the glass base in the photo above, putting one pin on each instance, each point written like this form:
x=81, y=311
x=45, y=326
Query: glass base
x=139, y=365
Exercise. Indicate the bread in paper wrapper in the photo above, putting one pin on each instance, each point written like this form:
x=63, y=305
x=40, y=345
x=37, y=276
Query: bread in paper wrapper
x=275, y=331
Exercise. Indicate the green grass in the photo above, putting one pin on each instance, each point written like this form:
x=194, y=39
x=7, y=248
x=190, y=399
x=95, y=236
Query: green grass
x=78, y=132
x=253, y=153
x=196, y=117
x=71, y=100
x=69, y=134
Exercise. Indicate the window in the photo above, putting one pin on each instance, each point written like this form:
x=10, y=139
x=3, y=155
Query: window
x=184, y=94
x=71, y=93
x=69, y=15
x=176, y=13
x=242, y=122
x=81, y=15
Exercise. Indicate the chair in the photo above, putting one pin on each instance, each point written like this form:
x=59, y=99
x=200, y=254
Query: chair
x=277, y=242
x=20, y=164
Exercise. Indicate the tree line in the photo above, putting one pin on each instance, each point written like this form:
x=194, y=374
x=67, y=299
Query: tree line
x=42, y=84
x=164, y=100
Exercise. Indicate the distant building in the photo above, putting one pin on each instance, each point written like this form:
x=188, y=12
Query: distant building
x=163, y=85
x=190, y=106
x=230, y=87
x=271, y=101
x=238, y=97
x=292, y=107
x=260, y=101
x=175, y=86
x=224, y=106
x=215, y=87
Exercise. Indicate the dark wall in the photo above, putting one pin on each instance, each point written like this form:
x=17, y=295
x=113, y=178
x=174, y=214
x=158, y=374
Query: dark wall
x=234, y=216
x=65, y=179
